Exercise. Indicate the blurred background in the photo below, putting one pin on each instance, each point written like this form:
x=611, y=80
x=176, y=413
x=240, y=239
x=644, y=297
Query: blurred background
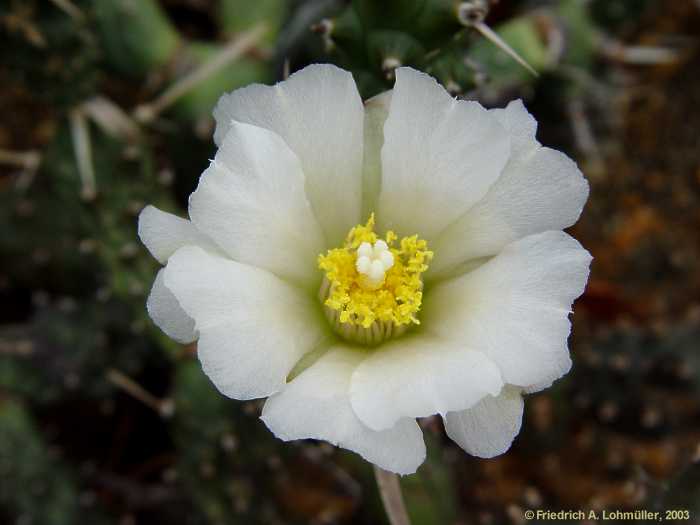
x=105, y=106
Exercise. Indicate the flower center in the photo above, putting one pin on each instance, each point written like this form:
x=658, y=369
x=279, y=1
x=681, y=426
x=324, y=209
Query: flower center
x=372, y=287
x=372, y=263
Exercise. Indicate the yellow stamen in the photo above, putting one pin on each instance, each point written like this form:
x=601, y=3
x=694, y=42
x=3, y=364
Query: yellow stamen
x=379, y=296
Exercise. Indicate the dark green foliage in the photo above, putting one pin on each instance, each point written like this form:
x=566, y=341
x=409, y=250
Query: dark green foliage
x=616, y=14
x=372, y=38
x=137, y=35
x=581, y=32
x=75, y=446
x=430, y=495
x=47, y=53
x=36, y=485
x=385, y=46
x=200, y=102
x=236, y=16
x=497, y=68
x=376, y=37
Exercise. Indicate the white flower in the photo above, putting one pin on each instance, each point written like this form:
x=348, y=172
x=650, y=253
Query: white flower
x=363, y=266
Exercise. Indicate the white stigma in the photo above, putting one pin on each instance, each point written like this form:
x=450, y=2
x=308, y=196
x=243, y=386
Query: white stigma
x=373, y=262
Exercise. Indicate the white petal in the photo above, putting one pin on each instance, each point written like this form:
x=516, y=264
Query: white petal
x=418, y=377
x=319, y=114
x=440, y=156
x=376, y=112
x=164, y=233
x=540, y=190
x=520, y=125
x=316, y=405
x=487, y=429
x=167, y=313
x=515, y=307
x=253, y=327
x=251, y=201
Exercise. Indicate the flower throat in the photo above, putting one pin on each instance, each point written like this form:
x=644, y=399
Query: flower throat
x=372, y=287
